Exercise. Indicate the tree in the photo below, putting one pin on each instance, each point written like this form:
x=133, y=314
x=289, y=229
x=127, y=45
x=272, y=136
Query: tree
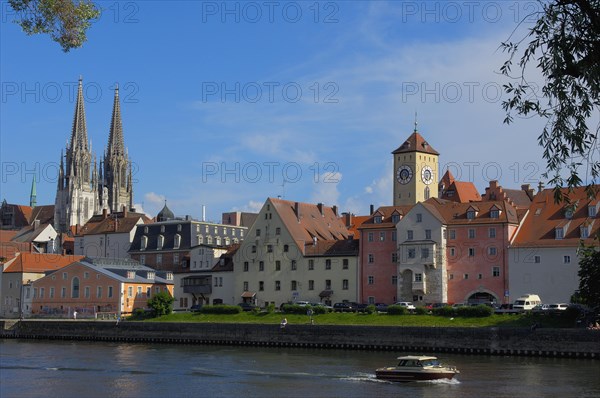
x=589, y=276
x=565, y=45
x=66, y=21
x=161, y=303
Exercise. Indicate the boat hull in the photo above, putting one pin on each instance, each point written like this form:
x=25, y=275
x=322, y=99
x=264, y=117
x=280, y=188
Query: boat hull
x=405, y=376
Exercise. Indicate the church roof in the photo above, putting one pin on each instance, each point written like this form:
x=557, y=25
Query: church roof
x=165, y=214
x=416, y=143
x=79, y=138
x=116, y=145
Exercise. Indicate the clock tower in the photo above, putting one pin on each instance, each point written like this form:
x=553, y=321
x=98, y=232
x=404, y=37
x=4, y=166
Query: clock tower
x=415, y=171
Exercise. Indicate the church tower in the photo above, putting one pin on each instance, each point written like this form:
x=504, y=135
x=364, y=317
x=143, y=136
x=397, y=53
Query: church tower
x=415, y=171
x=117, y=184
x=76, y=194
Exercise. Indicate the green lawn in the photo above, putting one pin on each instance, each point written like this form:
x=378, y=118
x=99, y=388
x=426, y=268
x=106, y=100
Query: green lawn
x=369, y=319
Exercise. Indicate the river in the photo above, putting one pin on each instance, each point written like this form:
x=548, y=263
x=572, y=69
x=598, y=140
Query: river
x=30, y=368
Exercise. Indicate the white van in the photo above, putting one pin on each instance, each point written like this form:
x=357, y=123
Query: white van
x=527, y=302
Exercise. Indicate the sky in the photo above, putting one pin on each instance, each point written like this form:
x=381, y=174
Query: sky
x=227, y=103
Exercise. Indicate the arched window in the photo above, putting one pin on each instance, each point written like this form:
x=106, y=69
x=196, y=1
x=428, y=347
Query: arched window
x=75, y=288
x=427, y=193
x=177, y=241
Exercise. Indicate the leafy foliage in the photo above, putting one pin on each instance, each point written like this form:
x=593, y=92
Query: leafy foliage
x=66, y=21
x=396, y=310
x=565, y=47
x=221, y=309
x=589, y=276
x=161, y=303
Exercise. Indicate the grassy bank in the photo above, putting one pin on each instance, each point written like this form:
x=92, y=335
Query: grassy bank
x=522, y=320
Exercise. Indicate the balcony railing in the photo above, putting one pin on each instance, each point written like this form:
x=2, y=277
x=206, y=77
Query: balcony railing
x=198, y=289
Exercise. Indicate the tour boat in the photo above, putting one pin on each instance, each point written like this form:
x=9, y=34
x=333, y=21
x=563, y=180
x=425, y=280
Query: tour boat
x=413, y=368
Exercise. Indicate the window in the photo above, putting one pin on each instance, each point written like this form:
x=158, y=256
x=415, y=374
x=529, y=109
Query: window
x=245, y=286
x=479, y=276
x=51, y=292
x=471, y=251
x=261, y=265
x=328, y=264
x=177, y=241
x=257, y=232
x=371, y=258
x=419, y=217
x=377, y=219
x=277, y=285
x=311, y=285
x=395, y=218
x=537, y=259
x=159, y=259
x=495, y=272
x=142, y=259
x=87, y=292
x=412, y=253
x=294, y=285
x=246, y=266
x=162, y=228
x=559, y=233
x=144, y=242
x=492, y=232
x=427, y=193
x=466, y=276
x=200, y=239
x=591, y=211
x=566, y=259
x=75, y=288
x=471, y=214
x=409, y=234
x=418, y=277
x=277, y=265
x=451, y=276
x=311, y=265
x=471, y=233
x=492, y=251
x=427, y=234
x=277, y=231
x=328, y=284
x=382, y=236
x=176, y=258
x=42, y=292
x=494, y=213
x=585, y=232
x=293, y=265
x=64, y=276
x=253, y=249
x=394, y=257
x=345, y=263
x=261, y=286
x=160, y=242
x=286, y=248
x=345, y=284
x=452, y=234
x=370, y=237
x=425, y=252
x=139, y=291
x=86, y=275
x=63, y=292
x=110, y=292
x=452, y=252
x=394, y=279
x=394, y=234
x=370, y=279
x=269, y=248
x=99, y=292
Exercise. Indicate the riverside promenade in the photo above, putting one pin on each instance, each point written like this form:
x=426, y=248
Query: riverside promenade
x=580, y=343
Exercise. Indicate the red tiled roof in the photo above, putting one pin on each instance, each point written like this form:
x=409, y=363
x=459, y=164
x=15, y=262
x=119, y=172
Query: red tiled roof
x=456, y=213
x=462, y=192
x=347, y=247
x=544, y=216
x=386, y=213
x=34, y=262
x=357, y=222
x=44, y=214
x=7, y=236
x=416, y=143
x=98, y=224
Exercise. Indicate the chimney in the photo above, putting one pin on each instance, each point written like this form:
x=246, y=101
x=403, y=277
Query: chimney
x=36, y=224
x=320, y=207
x=348, y=219
x=124, y=211
x=203, y=213
x=297, y=210
x=335, y=210
x=104, y=213
x=371, y=210
x=528, y=190
x=540, y=186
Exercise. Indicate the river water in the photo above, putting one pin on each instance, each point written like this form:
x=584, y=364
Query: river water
x=96, y=369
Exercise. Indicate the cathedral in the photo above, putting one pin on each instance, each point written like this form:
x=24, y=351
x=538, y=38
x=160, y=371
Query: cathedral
x=85, y=187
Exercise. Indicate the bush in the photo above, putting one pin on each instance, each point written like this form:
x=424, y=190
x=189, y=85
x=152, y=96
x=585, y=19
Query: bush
x=444, y=311
x=221, y=309
x=371, y=309
x=319, y=309
x=270, y=308
x=479, y=311
x=396, y=310
x=161, y=303
x=421, y=311
x=294, y=309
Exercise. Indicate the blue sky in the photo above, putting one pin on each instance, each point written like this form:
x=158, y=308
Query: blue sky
x=227, y=103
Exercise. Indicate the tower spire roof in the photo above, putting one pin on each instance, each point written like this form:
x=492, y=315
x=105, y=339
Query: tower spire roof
x=33, y=196
x=116, y=145
x=79, y=139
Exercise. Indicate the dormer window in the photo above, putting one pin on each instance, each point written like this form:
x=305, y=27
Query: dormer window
x=130, y=274
x=169, y=276
x=495, y=212
x=178, y=227
x=591, y=211
x=585, y=232
x=143, y=243
x=177, y=242
x=162, y=228
x=160, y=242
x=200, y=239
x=569, y=213
x=471, y=214
x=377, y=219
x=395, y=218
x=559, y=233
x=145, y=230
x=150, y=275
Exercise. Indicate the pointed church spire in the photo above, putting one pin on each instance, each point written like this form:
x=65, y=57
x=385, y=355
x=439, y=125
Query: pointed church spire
x=79, y=139
x=33, y=196
x=116, y=145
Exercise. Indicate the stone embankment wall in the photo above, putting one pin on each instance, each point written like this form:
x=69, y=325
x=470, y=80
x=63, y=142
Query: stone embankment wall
x=496, y=341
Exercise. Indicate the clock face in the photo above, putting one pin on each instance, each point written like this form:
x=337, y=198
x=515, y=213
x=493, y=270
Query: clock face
x=404, y=174
x=427, y=175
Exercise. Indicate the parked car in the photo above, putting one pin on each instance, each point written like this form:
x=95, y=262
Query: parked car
x=321, y=305
x=557, y=307
x=381, y=307
x=409, y=306
x=540, y=308
x=247, y=306
x=439, y=305
x=343, y=307
x=507, y=309
x=302, y=303
x=196, y=307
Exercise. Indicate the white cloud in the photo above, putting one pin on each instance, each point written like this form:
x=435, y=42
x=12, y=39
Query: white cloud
x=252, y=206
x=325, y=190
